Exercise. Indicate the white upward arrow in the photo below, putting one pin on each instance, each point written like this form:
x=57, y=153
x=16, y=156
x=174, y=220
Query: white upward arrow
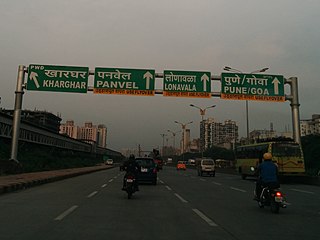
x=204, y=79
x=148, y=76
x=33, y=76
x=275, y=83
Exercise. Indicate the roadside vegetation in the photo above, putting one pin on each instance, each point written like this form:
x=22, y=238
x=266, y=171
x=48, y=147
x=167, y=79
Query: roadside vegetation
x=311, y=151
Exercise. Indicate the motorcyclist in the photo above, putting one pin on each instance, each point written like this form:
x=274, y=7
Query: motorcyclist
x=268, y=175
x=132, y=168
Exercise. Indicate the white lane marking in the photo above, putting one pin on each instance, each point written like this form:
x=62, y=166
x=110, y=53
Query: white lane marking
x=216, y=183
x=115, y=177
x=302, y=191
x=238, y=189
x=169, y=188
x=104, y=185
x=110, y=180
x=66, y=213
x=205, y=218
x=92, y=194
x=181, y=198
x=203, y=180
x=161, y=181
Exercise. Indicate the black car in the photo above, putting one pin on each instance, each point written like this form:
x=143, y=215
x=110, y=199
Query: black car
x=148, y=170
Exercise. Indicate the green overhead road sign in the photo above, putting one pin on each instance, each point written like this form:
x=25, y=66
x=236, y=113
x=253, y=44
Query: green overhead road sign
x=187, y=84
x=241, y=86
x=124, y=81
x=57, y=78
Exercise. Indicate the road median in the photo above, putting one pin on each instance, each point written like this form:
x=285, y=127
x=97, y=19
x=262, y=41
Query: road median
x=10, y=183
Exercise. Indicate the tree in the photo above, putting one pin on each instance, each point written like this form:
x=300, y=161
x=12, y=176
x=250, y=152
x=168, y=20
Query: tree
x=311, y=152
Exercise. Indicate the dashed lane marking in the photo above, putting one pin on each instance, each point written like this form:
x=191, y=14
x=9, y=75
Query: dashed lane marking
x=111, y=180
x=169, y=188
x=205, y=218
x=216, y=183
x=181, y=198
x=238, y=189
x=92, y=194
x=302, y=191
x=104, y=185
x=66, y=213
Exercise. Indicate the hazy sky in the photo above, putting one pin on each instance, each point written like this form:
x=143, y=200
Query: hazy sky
x=193, y=35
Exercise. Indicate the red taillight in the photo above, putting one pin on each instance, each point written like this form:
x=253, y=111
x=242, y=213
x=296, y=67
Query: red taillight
x=130, y=177
x=278, y=194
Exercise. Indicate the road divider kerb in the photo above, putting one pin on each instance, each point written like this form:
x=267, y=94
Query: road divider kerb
x=11, y=183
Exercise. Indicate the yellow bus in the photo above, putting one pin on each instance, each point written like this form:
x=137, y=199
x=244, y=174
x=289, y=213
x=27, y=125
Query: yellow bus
x=286, y=154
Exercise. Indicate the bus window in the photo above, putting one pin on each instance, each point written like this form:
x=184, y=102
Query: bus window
x=286, y=150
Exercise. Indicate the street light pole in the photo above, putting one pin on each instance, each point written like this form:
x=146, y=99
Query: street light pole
x=174, y=139
x=230, y=69
x=163, y=135
x=183, y=125
x=202, y=113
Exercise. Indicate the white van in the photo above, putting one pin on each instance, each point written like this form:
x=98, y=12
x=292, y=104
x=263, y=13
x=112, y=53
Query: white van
x=206, y=166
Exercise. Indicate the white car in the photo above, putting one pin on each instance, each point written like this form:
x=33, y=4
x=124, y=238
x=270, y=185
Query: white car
x=109, y=161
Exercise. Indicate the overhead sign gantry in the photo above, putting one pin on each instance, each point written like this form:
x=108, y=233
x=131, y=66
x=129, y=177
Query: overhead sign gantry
x=236, y=86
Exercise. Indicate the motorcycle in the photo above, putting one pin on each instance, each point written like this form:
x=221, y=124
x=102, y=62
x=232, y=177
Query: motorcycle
x=272, y=197
x=130, y=187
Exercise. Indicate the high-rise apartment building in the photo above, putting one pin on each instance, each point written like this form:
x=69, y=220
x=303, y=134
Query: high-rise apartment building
x=216, y=133
x=102, y=135
x=88, y=133
x=310, y=126
x=69, y=129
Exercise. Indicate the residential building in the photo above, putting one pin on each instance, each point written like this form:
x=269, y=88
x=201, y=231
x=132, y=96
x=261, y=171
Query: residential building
x=219, y=134
x=88, y=133
x=310, y=126
x=102, y=135
x=69, y=129
x=195, y=145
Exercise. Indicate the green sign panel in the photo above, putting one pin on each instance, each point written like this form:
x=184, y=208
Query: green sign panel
x=186, y=84
x=241, y=86
x=57, y=78
x=124, y=81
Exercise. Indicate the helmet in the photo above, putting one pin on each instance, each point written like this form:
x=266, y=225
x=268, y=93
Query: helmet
x=267, y=156
x=132, y=157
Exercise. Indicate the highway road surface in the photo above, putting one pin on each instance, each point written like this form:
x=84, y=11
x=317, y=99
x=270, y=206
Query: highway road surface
x=181, y=206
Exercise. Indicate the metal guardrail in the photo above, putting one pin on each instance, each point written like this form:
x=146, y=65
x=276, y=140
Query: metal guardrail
x=39, y=135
